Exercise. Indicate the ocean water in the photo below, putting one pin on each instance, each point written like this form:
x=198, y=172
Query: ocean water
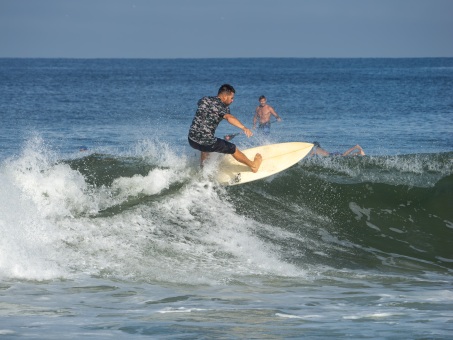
x=109, y=228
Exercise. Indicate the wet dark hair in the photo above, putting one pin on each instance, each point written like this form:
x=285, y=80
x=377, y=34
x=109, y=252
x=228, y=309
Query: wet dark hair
x=261, y=97
x=227, y=88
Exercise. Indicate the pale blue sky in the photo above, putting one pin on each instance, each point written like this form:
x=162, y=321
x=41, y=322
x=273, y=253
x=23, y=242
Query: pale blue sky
x=226, y=28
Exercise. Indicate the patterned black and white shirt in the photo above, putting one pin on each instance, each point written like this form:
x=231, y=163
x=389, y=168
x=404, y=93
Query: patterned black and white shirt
x=210, y=113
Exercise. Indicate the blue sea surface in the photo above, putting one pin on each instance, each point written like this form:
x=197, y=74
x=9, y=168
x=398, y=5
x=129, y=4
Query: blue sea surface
x=111, y=229
x=383, y=104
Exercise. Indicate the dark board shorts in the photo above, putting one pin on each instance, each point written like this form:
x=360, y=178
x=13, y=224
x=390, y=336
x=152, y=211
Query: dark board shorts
x=220, y=146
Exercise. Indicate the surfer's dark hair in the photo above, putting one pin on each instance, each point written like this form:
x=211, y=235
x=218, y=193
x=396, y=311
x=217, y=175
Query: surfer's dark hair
x=261, y=97
x=226, y=88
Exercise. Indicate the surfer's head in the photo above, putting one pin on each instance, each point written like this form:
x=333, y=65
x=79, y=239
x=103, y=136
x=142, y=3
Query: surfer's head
x=262, y=100
x=226, y=94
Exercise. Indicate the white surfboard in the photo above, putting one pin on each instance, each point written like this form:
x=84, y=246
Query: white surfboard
x=276, y=158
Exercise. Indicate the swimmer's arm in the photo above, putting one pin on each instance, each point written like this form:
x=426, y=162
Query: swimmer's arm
x=272, y=111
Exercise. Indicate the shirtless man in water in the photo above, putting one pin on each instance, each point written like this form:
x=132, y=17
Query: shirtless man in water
x=211, y=111
x=263, y=114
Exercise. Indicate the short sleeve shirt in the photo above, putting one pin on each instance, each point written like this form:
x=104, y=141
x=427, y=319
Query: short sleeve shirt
x=210, y=113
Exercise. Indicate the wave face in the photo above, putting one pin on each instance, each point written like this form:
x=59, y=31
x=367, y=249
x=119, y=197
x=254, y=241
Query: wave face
x=152, y=215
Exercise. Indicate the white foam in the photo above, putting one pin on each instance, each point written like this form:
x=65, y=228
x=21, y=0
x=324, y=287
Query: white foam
x=151, y=184
x=193, y=235
x=292, y=316
x=56, y=189
x=381, y=315
x=27, y=239
x=7, y=332
x=157, y=152
x=180, y=310
x=359, y=211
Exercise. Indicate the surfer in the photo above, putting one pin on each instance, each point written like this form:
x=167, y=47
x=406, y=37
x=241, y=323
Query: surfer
x=263, y=114
x=210, y=112
x=354, y=151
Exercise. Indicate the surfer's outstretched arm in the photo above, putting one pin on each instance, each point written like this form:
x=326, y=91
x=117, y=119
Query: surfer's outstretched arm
x=235, y=122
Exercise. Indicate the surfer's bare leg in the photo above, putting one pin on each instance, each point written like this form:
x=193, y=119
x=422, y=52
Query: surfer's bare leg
x=203, y=157
x=253, y=165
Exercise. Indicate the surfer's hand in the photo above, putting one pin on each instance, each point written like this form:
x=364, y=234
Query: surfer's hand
x=248, y=132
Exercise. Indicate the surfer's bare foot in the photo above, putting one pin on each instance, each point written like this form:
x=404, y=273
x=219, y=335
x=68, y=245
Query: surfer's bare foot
x=256, y=162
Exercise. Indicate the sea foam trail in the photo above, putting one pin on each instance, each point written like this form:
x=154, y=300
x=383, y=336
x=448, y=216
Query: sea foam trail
x=152, y=215
x=27, y=237
x=171, y=223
